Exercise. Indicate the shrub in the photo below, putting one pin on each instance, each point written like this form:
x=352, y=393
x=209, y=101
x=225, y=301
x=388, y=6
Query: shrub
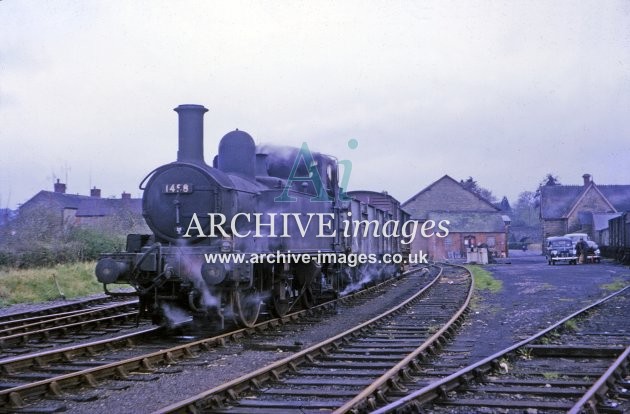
x=90, y=243
x=38, y=238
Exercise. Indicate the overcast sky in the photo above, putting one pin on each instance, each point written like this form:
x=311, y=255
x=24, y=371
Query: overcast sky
x=505, y=92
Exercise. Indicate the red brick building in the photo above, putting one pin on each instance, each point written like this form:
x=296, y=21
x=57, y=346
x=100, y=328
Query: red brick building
x=473, y=221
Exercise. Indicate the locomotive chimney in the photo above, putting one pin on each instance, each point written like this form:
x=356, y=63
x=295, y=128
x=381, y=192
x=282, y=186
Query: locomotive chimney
x=190, y=133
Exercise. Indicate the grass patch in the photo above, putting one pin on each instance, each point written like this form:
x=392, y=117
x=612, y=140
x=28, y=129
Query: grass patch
x=38, y=285
x=571, y=325
x=618, y=284
x=550, y=375
x=484, y=279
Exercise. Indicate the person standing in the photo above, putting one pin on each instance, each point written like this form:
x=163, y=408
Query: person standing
x=581, y=249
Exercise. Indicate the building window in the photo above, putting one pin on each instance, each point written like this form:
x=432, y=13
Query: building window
x=491, y=241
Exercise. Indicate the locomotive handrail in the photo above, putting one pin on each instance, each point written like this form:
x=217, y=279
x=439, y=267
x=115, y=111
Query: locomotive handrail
x=141, y=185
x=224, y=182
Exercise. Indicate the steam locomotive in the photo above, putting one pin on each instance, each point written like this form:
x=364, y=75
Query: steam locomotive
x=262, y=227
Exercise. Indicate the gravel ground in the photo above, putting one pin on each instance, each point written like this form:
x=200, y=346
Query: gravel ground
x=220, y=365
x=533, y=295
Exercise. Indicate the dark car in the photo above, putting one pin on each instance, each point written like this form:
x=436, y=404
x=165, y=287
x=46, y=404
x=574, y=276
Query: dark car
x=592, y=252
x=560, y=249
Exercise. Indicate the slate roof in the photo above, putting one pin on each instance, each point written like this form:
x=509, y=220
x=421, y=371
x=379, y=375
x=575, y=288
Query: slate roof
x=101, y=207
x=600, y=220
x=558, y=200
x=85, y=206
x=618, y=195
x=64, y=200
x=446, y=194
x=470, y=222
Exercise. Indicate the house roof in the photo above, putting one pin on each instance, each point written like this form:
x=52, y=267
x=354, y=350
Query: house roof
x=85, y=206
x=557, y=201
x=470, y=221
x=618, y=195
x=100, y=207
x=63, y=200
x=446, y=194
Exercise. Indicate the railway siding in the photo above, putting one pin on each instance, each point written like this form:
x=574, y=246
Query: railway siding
x=533, y=295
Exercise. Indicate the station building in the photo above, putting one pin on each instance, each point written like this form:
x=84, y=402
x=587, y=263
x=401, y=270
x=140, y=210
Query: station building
x=585, y=208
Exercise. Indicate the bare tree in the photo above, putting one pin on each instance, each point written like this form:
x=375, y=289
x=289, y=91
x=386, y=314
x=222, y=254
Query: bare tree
x=525, y=209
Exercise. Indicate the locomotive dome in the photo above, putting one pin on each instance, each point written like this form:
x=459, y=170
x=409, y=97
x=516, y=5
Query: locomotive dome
x=237, y=154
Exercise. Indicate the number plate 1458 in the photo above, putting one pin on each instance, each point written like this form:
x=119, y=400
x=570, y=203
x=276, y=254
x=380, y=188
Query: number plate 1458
x=178, y=188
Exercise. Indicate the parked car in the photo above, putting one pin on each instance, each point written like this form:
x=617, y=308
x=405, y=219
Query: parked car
x=593, y=253
x=560, y=249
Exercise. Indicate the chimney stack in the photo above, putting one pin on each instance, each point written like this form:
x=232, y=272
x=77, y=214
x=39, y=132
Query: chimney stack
x=125, y=196
x=95, y=192
x=190, y=133
x=60, y=187
x=587, y=179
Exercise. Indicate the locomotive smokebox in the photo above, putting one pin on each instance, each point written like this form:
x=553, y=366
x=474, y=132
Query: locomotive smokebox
x=190, y=133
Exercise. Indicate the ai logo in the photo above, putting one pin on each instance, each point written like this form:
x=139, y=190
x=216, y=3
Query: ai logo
x=306, y=157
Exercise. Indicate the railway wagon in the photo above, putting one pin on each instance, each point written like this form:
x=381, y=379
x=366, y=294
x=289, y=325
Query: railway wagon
x=618, y=246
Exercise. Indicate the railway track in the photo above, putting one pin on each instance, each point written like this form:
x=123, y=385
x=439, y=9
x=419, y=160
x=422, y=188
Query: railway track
x=354, y=368
x=18, y=336
x=52, y=311
x=26, y=379
x=579, y=364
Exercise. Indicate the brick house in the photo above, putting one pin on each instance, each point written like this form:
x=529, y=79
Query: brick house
x=82, y=210
x=581, y=208
x=473, y=220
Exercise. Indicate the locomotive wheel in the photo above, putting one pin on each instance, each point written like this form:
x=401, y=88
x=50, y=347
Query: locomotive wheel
x=246, y=306
x=282, y=298
x=308, y=298
x=307, y=281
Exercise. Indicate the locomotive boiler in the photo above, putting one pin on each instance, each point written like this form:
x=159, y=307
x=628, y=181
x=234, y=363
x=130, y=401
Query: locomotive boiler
x=262, y=228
